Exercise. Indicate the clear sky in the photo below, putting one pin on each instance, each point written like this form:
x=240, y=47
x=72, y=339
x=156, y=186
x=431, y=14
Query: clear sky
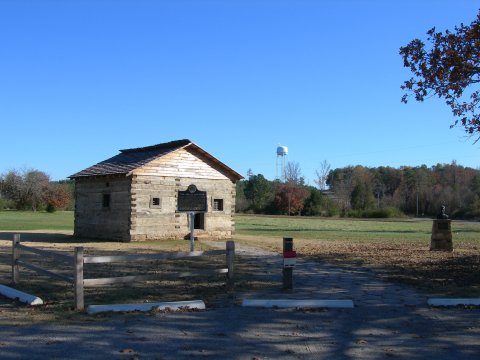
x=81, y=79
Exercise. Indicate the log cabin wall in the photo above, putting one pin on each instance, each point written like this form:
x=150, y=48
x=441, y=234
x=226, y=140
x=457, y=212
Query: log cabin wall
x=133, y=195
x=102, y=207
x=154, y=198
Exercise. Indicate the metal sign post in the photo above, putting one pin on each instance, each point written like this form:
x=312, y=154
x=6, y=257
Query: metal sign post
x=192, y=201
x=192, y=229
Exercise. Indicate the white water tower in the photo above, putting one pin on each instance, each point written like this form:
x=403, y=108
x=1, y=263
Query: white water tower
x=282, y=152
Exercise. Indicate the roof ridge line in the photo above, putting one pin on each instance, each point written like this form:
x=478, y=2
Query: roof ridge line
x=174, y=143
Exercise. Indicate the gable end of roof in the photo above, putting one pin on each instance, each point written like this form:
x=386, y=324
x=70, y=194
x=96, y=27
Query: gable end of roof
x=131, y=159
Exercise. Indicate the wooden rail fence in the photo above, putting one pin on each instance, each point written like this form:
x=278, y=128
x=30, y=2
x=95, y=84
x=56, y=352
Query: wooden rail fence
x=78, y=260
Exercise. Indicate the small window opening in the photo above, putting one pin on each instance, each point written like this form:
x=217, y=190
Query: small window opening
x=217, y=204
x=155, y=202
x=106, y=200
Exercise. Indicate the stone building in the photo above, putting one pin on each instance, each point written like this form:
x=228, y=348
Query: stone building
x=136, y=194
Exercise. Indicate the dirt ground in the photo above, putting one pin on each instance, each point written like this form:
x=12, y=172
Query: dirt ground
x=59, y=297
x=389, y=320
x=447, y=273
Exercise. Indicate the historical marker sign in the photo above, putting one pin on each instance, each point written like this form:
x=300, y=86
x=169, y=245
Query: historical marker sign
x=192, y=199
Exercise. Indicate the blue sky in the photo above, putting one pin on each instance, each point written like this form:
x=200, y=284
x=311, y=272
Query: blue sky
x=81, y=79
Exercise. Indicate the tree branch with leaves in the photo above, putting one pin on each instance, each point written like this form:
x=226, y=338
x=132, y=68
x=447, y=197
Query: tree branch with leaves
x=448, y=68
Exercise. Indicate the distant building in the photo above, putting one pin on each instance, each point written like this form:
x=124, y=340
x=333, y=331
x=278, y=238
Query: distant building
x=134, y=195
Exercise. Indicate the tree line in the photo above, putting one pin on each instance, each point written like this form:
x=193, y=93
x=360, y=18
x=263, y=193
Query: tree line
x=358, y=191
x=33, y=190
x=352, y=191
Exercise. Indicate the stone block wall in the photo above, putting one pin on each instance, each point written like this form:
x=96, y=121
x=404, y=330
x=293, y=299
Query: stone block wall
x=102, y=208
x=160, y=220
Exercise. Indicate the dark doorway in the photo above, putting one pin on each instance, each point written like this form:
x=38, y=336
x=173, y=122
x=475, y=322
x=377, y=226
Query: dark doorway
x=199, y=221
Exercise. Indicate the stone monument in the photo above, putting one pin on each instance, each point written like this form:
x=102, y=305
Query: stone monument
x=441, y=232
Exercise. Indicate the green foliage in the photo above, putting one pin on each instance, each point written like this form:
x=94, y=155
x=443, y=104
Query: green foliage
x=241, y=202
x=475, y=187
x=362, y=197
x=314, y=204
x=258, y=191
x=471, y=213
x=318, y=204
x=384, y=213
x=6, y=204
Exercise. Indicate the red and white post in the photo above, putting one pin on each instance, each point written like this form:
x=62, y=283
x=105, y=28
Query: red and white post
x=289, y=262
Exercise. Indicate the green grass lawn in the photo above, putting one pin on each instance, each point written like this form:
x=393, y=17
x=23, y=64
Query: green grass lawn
x=278, y=227
x=397, y=248
x=39, y=220
x=351, y=229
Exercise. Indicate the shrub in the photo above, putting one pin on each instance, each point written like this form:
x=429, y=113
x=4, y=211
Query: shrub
x=466, y=214
x=6, y=204
x=383, y=213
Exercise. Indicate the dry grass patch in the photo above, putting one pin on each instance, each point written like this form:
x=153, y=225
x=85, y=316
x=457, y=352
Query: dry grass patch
x=58, y=295
x=443, y=273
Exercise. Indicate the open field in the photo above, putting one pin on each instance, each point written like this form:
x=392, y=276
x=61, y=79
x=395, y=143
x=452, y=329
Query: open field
x=356, y=230
x=389, y=320
x=39, y=220
x=396, y=249
x=329, y=229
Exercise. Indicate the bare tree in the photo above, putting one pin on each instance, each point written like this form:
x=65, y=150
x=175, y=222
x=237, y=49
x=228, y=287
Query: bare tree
x=35, y=185
x=10, y=185
x=26, y=188
x=293, y=173
x=322, y=175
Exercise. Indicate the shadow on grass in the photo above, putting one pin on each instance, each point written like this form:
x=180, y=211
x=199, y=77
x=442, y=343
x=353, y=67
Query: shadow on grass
x=49, y=237
x=232, y=332
x=59, y=297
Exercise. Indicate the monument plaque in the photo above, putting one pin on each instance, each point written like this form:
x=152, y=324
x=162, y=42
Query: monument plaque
x=443, y=225
x=192, y=200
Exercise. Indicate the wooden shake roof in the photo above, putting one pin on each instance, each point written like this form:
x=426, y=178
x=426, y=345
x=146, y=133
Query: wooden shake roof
x=130, y=159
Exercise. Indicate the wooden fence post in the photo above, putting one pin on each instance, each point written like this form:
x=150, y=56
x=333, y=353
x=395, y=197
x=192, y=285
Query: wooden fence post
x=15, y=256
x=78, y=278
x=230, y=258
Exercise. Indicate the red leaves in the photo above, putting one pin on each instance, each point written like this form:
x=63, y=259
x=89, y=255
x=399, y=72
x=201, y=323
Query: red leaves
x=290, y=198
x=448, y=68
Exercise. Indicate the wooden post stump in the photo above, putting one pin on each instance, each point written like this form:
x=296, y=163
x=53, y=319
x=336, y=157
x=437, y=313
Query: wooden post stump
x=78, y=279
x=287, y=271
x=15, y=257
x=230, y=260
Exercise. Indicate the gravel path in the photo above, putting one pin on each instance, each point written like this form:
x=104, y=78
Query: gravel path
x=388, y=321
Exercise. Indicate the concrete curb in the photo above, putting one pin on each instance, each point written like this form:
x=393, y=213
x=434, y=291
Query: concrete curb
x=291, y=303
x=20, y=295
x=453, y=302
x=174, y=306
